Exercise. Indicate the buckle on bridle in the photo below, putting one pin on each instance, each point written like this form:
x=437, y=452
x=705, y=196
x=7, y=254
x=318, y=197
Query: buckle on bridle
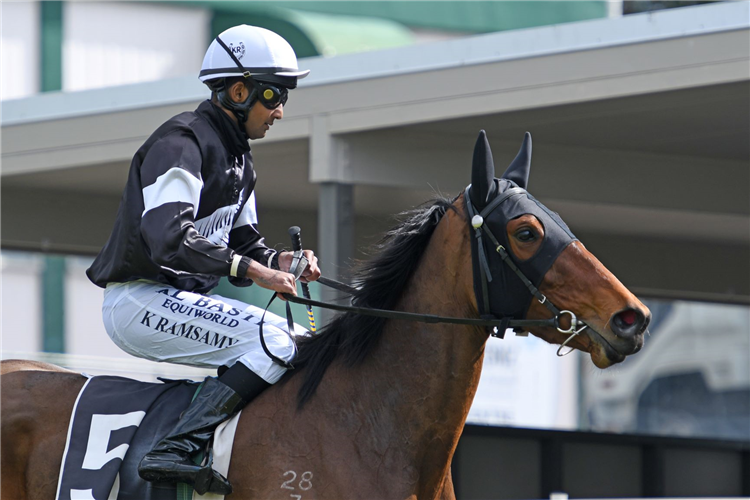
x=572, y=330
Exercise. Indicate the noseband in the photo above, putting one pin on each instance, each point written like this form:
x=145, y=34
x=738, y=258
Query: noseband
x=477, y=223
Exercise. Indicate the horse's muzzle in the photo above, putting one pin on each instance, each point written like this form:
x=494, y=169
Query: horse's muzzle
x=628, y=326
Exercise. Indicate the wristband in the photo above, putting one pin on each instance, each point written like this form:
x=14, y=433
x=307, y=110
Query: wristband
x=274, y=261
x=242, y=267
x=236, y=259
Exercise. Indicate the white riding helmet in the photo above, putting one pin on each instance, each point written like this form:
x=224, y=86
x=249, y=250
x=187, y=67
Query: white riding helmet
x=257, y=52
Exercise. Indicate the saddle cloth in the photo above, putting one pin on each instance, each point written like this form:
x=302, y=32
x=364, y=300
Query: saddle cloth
x=115, y=422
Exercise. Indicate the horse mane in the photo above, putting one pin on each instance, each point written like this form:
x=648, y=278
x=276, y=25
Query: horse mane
x=381, y=282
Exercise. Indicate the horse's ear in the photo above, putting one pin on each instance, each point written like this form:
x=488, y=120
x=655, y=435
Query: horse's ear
x=482, y=172
x=519, y=168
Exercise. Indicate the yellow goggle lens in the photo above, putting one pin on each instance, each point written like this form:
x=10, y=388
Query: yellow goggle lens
x=268, y=94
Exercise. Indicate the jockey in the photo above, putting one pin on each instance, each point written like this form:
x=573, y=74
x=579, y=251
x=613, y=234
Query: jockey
x=187, y=218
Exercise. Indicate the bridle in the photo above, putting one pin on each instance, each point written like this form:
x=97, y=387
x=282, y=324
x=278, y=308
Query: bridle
x=477, y=223
x=498, y=325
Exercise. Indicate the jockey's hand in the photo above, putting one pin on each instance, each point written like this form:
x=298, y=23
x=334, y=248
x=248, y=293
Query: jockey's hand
x=311, y=272
x=271, y=279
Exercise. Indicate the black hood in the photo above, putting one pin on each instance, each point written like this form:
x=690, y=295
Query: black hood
x=500, y=201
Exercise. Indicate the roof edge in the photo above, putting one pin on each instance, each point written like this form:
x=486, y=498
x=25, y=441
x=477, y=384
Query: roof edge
x=481, y=49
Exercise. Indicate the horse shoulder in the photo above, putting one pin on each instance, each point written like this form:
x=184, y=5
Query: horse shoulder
x=317, y=450
x=279, y=447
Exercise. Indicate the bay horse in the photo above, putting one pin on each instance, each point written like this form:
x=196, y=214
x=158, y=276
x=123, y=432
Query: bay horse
x=380, y=404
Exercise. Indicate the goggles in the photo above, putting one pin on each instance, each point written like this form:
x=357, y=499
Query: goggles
x=270, y=96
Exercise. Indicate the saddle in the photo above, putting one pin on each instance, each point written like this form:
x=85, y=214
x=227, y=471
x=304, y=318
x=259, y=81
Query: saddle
x=114, y=423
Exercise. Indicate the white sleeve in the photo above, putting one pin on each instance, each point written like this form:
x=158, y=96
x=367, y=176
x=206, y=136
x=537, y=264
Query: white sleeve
x=248, y=216
x=174, y=185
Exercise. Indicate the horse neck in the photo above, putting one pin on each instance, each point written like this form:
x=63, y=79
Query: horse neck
x=431, y=372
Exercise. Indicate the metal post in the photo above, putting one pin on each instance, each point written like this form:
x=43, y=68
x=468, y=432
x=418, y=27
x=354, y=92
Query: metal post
x=335, y=236
x=53, y=303
x=614, y=8
x=50, y=60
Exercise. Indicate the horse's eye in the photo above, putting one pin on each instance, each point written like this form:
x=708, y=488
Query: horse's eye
x=525, y=235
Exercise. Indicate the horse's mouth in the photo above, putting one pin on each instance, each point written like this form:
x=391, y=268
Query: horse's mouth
x=603, y=354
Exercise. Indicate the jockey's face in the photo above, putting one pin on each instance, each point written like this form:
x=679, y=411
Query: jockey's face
x=261, y=118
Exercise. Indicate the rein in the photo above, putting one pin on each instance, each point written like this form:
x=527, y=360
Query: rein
x=499, y=325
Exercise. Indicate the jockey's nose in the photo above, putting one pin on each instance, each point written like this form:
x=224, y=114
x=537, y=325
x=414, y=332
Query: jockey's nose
x=630, y=322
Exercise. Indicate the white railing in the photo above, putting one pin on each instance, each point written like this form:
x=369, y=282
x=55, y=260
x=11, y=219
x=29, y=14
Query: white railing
x=139, y=369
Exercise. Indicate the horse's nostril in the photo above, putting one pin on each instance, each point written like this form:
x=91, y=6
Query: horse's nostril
x=628, y=323
x=628, y=317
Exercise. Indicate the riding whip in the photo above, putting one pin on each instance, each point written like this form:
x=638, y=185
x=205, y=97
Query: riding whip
x=294, y=232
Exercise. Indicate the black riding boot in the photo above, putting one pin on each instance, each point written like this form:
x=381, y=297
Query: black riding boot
x=171, y=459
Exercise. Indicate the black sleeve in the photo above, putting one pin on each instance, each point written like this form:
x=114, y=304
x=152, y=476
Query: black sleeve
x=172, y=185
x=247, y=241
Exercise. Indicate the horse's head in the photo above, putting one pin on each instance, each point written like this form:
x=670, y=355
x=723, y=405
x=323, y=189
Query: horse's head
x=519, y=245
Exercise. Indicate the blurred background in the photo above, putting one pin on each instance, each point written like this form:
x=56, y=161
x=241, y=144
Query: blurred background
x=640, y=115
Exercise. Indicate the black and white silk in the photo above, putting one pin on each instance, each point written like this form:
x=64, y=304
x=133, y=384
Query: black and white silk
x=187, y=216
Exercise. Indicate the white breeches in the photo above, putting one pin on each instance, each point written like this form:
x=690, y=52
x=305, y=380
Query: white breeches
x=161, y=323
